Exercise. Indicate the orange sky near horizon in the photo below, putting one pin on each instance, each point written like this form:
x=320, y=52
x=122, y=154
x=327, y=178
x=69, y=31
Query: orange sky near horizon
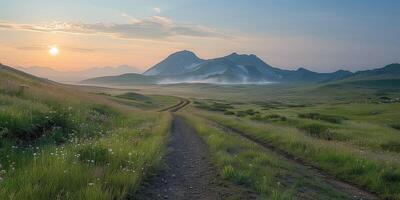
x=80, y=51
x=318, y=35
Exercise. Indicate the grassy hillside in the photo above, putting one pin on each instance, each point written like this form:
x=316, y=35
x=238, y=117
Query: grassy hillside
x=357, y=141
x=124, y=79
x=59, y=143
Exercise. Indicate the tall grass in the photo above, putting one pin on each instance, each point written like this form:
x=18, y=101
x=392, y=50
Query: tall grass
x=380, y=174
x=110, y=167
x=58, y=143
x=248, y=164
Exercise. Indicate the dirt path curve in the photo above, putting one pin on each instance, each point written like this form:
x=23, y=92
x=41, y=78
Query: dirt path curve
x=174, y=108
x=188, y=173
x=355, y=191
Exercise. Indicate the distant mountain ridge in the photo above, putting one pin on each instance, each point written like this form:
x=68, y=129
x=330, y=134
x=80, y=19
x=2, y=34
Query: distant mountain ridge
x=76, y=76
x=185, y=66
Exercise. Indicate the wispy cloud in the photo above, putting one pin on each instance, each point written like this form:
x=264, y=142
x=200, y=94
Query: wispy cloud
x=155, y=27
x=64, y=48
x=157, y=10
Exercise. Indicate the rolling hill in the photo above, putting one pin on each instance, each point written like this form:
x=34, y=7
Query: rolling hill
x=76, y=76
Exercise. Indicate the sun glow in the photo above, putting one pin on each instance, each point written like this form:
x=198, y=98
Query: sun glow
x=53, y=51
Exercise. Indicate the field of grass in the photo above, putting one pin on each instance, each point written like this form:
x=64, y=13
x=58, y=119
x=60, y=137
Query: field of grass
x=246, y=163
x=59, y=143
x=81, y=142
x=133, y=98
x=356, y=142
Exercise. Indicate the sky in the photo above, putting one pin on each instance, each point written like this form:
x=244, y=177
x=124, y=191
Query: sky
x=321, y=35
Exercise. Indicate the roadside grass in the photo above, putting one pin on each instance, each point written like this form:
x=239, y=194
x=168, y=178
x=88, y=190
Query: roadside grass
x=379, y=172
x=248, y=164
x=145, y=102
x=323, y=117
x=366, y=125
x=60, y=143
x=105, y=168
x=391, y=146
x=321, y=131
x=268, y=118
x=213, y=106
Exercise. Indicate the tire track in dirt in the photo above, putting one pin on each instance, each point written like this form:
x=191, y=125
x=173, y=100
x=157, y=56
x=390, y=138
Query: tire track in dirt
x=355, y=191
x=188, y=172
x=176, y=107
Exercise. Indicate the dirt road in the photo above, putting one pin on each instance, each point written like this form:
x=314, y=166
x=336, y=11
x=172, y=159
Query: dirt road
x=188, y=173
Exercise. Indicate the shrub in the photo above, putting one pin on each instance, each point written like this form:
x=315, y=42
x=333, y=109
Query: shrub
x=395, y=126
x=28, y=125
x=320, y=131
x=269, y=118
x=222, y=107
x=134, y=96
x=327, y=118
x=391, y=146
x=229, y=113
x=391, y=176
x=241, y=114
x=251, y=112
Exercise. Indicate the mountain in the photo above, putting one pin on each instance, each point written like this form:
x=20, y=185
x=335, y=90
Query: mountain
x=305, y=75
x=185, y=66
x=76, y=76
x=177, y=63
x=389, y=71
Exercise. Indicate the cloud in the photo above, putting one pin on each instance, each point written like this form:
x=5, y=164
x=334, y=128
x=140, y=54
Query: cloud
x=29, y=48
x=155, y=27
x=5, y=26
x=157, y=10
x=63, y=48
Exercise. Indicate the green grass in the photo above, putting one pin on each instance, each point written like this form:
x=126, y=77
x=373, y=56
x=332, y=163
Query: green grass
x=268, y=118
x=108, y=168
x=327, y=118
x=134, y=96
x=250, y=165
x=321, y=131
x=395, y=126
x=391, y=146
x=59, y=143
x=376, y=171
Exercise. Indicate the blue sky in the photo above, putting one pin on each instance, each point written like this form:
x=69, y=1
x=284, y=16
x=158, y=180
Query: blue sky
x=318, y=34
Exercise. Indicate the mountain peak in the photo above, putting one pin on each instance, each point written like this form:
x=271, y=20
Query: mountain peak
x=185, y=53
x=302, y=69
x=234, y=54
x=176, y=63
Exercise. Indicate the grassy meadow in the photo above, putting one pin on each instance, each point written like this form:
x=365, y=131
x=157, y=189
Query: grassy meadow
x=81, y=142
x=357, y=142
x=246, y=163
x=59, y=143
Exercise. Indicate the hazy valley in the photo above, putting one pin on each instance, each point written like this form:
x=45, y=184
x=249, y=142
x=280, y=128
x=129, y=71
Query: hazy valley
x=308, y=108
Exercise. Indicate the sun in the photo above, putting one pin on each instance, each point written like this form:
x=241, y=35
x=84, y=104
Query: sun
x=53, y=51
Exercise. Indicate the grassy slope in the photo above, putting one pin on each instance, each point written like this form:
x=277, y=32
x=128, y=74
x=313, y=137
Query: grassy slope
x=57, y=142
x=356, y=160
x=247, y=163
x=133, y=98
